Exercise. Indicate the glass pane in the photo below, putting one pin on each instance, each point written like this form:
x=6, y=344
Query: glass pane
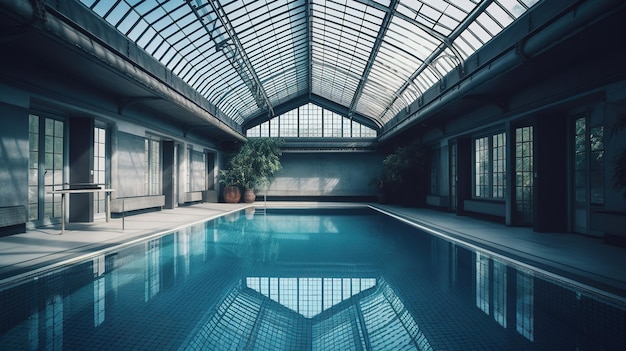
x=242, y=54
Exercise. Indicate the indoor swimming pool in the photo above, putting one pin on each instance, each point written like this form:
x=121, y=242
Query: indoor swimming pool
x=340, y=279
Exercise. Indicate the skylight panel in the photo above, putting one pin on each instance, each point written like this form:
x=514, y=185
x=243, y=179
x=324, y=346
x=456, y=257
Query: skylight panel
x=136, y=29
x=383, y=2
x=341, y=30
x=446, y=62
x=529, y=3
x=425, y=80
x=117, y=12
x=411, y=38
x=430, y=15
x=514, y=7
x=479, y=32
x=102, y=7
x=146, y=36
x=127, y=22
x=276, y=40
x=500, y=15
x=487, y=23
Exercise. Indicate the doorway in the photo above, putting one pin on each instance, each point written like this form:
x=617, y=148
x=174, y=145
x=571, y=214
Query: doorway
x=45, y=169
x=588, y=172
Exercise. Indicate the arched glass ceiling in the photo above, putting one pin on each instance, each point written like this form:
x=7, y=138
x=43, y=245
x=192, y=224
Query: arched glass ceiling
x=374, y=57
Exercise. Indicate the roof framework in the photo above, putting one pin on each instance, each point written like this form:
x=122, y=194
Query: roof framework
x=371, y=57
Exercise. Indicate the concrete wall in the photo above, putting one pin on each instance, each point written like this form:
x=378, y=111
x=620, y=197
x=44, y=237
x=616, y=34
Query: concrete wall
x=130, y=151
x=327, y=174
x=13, y=155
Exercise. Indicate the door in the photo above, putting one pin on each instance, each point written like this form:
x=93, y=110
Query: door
x=453, y=176
x=524, y=175
x=588, y=166
x=100, y=174
x=45, y=173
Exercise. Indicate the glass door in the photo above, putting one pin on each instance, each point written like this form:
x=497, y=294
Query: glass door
x=524, y=173
x=99, y=169
x=588, y=164
x=453, y=176
x=175, y=174
x=45, y=173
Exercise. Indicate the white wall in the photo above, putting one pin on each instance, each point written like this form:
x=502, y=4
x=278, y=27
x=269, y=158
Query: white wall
x=327, y=174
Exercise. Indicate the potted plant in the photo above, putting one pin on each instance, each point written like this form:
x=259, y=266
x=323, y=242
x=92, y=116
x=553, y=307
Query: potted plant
x=232, y=182
x=402, y=176
x=255, y=164
x=613, y=221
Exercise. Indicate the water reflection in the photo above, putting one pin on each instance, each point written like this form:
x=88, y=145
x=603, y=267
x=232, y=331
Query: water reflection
x=275, y=281
x=309, y=296
x=496, y=294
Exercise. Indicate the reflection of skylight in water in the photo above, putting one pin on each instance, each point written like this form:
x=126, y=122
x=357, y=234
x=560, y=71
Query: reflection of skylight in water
x=388, y=322
x=309, y=296
x=247, y=320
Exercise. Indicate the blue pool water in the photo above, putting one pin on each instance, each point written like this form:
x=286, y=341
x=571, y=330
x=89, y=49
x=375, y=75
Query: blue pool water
x=295, y=280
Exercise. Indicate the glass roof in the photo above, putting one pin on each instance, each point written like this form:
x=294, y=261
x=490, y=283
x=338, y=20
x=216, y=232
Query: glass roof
x=373, y=57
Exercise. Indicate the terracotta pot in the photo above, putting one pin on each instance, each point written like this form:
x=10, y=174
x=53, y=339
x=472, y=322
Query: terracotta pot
x=232, y=194
x=249, y=196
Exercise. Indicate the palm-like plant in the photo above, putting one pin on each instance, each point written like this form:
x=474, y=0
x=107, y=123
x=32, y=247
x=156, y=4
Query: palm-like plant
x=256, y=162
x=403, y=174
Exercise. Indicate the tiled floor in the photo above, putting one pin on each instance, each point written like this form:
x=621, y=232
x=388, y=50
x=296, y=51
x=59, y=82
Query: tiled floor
x=576, y=256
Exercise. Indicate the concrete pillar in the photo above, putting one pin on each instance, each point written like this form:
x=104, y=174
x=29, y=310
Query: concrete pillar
x=81, y=167
x=168, y=174
x=464, y=173
x=550, y=183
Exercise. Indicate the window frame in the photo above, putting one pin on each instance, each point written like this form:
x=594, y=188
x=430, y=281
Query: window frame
x=487, y=191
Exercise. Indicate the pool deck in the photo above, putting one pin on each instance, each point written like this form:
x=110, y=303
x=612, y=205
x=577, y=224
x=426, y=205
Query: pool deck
x=572, y=256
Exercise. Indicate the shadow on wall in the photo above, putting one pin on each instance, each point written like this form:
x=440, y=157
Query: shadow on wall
x=326, y=174
x=311, y=186
x=318, y=186
x=14, y=158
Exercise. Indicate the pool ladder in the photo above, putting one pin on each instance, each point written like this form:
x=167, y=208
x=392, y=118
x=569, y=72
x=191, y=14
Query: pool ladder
x=264, y=209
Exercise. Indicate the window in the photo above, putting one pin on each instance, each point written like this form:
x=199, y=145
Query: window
x=289, y=124
x=33, y=168
x=579, y=160
x=453, y=175
x=332, y=125
x=152, y=167
x=45, y=169
x=524, y=172
x=589, y=150
x=311, y=121
x=490, y=166
x=498, y=174
x=482, y=167
x=596, y=165
x=99, y=167
x=197, y=170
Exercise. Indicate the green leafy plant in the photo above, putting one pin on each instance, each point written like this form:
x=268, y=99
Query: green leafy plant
x=255, y=163
x=402, y=176
x=229, y=178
